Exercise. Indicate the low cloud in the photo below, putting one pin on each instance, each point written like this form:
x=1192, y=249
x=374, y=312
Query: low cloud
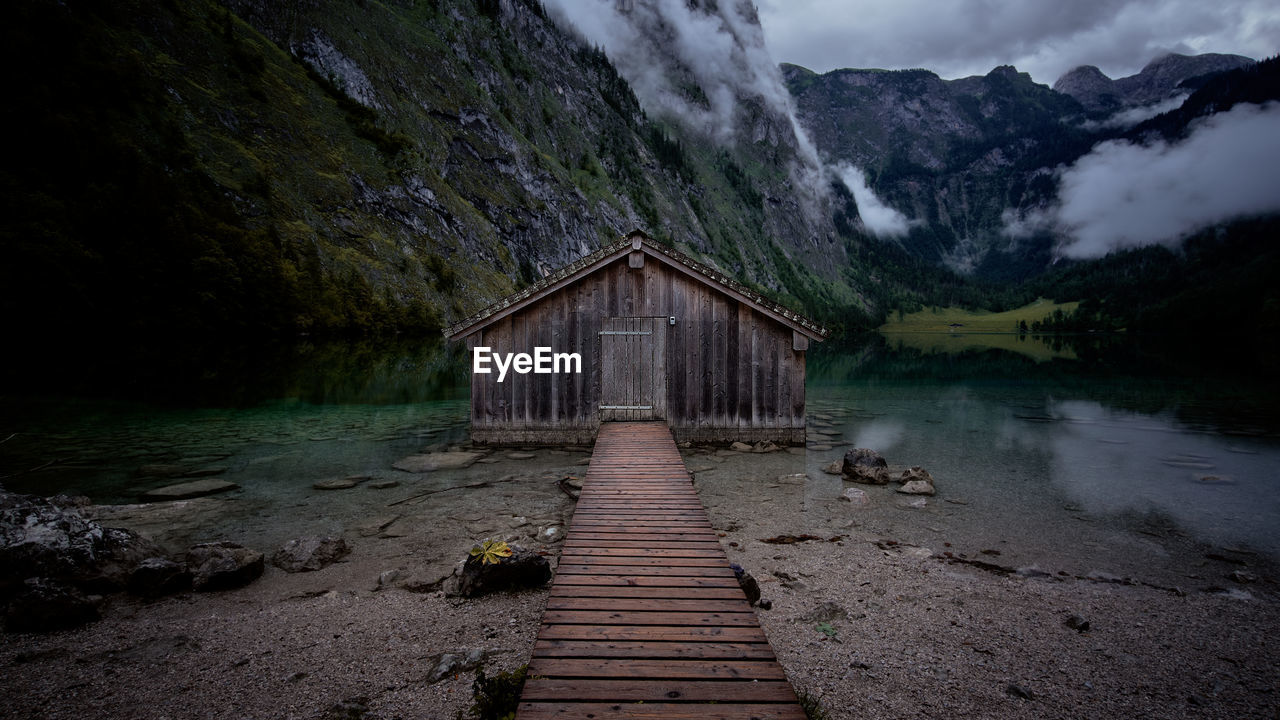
x=1133, y=116
x=721, y=45
x=1124, y=195
x=879, y=219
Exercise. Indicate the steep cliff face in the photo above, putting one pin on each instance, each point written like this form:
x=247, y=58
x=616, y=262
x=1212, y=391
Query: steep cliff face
x=951, y=155
x=270, y=168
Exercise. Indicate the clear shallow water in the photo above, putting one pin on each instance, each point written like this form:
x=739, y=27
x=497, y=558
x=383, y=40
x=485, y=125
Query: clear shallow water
x=1046, y=454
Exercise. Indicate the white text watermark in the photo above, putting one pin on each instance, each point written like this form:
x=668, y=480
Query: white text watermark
x=541, y=362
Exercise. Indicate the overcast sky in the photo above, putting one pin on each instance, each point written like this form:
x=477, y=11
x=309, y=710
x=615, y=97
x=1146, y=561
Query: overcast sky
x=1046, y=38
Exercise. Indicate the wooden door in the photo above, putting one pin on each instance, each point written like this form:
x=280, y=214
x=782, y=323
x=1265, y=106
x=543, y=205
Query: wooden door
x=633, y=378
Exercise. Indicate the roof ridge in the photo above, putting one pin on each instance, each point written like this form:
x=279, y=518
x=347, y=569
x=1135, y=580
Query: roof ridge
x=604, y=251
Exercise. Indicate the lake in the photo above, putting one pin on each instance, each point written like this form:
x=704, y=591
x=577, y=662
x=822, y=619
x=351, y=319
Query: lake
x=1071, y=458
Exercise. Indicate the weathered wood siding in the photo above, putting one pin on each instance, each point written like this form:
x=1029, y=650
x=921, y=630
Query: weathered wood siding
x=730, y=372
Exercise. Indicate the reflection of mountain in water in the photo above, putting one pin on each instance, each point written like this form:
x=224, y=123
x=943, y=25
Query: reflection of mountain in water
x=1036, y=347
x=1195, y=385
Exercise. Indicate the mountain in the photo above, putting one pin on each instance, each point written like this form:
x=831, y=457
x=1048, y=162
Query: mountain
x=951, y=155
x=959, y=158
x=263, y=169
x=207, y=171
x=1162, y=79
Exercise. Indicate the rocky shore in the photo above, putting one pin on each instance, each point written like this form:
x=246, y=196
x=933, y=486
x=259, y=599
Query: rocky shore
x=880, y=606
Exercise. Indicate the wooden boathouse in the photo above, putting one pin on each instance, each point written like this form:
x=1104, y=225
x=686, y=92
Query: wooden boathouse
x=660, y=337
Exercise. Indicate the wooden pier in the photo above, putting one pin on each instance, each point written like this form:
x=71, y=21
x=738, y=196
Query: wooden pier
x=646, y=618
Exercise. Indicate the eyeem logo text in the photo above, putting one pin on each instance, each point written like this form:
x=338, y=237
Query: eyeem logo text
x=542, y=362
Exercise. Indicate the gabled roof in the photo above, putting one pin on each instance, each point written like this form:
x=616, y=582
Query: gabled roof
x=608, y=254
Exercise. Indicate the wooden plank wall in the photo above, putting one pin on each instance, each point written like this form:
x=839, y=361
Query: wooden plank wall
x=731, y=372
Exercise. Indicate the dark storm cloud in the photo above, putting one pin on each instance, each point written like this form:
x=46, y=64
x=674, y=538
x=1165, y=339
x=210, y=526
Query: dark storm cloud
x=1046, y=38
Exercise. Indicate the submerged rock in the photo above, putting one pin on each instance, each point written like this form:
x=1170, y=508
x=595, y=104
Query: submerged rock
x=309, y=553
x=163, y=470
x=345, y=483
x=523, y=569
x=865, y=466
x=437, y=461
x=857, y=496
x=915, y=473
x=223, y=566
x=188, y=490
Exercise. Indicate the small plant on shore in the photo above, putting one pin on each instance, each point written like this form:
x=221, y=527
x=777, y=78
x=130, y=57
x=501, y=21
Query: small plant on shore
x=491, y=551
x=497, y=697
x=811, y=707
x=826, y=629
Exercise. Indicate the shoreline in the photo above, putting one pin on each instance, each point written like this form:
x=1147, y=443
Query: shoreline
x=879, y=623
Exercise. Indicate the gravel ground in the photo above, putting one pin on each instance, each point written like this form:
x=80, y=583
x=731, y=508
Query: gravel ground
x=878, y=623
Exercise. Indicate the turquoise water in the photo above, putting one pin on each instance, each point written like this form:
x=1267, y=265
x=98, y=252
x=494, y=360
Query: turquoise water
x=1018, y=445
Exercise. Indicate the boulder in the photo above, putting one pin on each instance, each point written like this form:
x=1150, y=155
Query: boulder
x=156, y=577
x=309, y=553
x=52, y=539
x=865, y=466
x=430, y=462
x=523, y=569
x=915, y=473
x=188, y=490
x=223, y=566
x=764, y=446
x=835, y=468
x=43, y=605
x=917, y=487
x=740, y=447
x=866, y=475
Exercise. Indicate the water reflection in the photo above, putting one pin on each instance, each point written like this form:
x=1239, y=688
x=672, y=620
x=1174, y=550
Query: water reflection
x=1222, y=489
x=1029, y=442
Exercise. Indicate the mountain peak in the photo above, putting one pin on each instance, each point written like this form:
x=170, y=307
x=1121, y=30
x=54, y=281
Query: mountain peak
x=1157, y=81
